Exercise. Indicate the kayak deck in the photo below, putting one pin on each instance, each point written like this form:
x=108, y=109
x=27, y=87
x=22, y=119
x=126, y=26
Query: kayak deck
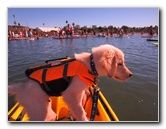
x=104, y=110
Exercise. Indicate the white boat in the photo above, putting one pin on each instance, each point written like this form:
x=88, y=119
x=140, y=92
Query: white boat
x=31, y=38
x=155, y=43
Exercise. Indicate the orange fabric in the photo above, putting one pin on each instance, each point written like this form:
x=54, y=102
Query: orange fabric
x=75, y=68
x=37, y=75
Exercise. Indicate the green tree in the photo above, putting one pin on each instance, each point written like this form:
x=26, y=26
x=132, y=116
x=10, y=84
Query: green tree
x=125, y=28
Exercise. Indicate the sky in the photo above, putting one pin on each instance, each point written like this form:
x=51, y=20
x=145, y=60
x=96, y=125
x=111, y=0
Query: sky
x=51, y=17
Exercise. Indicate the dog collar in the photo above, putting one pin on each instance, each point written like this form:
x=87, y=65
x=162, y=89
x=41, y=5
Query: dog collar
x=92, y=65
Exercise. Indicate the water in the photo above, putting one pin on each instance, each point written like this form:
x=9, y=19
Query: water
x=133, y=100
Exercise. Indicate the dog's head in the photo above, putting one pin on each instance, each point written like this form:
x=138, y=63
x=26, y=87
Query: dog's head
x=109, y=61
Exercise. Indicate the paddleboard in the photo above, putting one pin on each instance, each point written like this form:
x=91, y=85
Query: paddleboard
x=155, y=43
x=150, y=39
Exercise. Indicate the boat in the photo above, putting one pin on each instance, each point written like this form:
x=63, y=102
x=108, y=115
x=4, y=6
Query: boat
x=151, y=39
x=66, y=37
x=119, y=36
x=147, y=36
x=100, y=35
x=31, y=39
x=104, y=110
x=155, y=43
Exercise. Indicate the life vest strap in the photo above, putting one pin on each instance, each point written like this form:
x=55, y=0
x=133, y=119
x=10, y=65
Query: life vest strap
x=35, y=68
x=45, y=86
x=95, y=97
x=65, y=72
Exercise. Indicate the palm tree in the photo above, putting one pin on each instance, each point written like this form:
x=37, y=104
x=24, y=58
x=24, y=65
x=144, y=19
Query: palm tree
x=73, y=24
x=15, y=23
x=14, y=19
x=67, y=23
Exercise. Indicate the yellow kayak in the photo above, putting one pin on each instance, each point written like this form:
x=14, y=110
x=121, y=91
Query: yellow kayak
x=104, y=110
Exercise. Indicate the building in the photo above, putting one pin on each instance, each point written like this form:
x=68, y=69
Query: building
x=45, y=29
x=77, y=26
x=94, y=26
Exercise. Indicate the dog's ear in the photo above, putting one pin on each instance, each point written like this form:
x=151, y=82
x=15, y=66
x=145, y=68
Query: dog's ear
x=110, y=62
x=113, y=66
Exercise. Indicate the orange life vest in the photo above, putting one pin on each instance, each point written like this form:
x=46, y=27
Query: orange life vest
x=55, y=79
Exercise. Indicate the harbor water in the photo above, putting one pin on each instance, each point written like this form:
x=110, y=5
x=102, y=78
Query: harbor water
x=137, y=99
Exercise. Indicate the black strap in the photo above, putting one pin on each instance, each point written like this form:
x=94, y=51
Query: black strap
x=92, y=65
x=65, y=72
x=44, y=80
x=94, y=103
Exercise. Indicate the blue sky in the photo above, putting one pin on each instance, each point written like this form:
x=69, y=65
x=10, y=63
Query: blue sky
x=132, y=17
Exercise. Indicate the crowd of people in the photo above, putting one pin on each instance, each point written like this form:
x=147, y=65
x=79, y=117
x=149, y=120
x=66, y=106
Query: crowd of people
x=15, y=32
x=20, y=33
x=66, y=32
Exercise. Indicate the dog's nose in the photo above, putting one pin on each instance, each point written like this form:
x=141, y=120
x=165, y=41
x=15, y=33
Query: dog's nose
x=130, y=74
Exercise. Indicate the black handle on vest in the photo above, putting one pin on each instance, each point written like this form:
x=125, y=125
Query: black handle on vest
x=57, y=59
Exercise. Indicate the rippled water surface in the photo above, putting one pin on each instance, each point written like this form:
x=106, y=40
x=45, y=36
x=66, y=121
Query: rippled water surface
x=133, y=100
